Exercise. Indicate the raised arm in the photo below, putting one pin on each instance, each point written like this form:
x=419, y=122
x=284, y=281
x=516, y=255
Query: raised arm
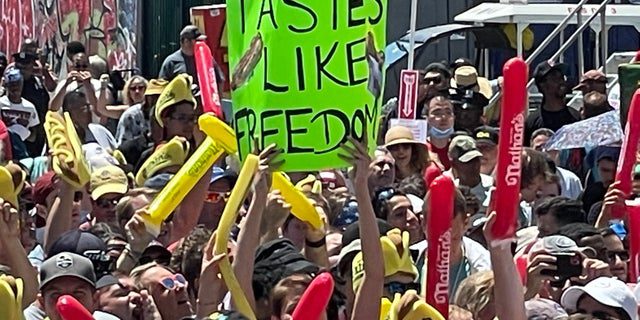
x=507, y=282
x=56, y=102
x=14, y=255
x=368, y=297
x=59, y=215
x=248, y=242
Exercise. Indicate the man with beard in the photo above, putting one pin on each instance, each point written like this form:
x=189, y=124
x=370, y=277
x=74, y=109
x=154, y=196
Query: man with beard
x=553, y=112
x=123, y=300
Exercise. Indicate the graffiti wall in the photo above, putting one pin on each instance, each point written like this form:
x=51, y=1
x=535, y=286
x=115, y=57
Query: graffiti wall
x=106, y=27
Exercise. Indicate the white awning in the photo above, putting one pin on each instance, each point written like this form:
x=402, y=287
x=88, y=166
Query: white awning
x=616, y=15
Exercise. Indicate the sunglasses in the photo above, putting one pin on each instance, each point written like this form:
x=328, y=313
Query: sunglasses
x=434, y=80
x=137, y=88
x=177, y=280
x=399, y=287
x=77, y=196
x=623, y=255
x=215, y=197
x=107, y=203
x=81, y=66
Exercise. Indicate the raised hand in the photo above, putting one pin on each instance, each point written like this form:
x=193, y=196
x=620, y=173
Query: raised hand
x=262, y=181
x=9, y=224
x=358, y=157
x=137, y=233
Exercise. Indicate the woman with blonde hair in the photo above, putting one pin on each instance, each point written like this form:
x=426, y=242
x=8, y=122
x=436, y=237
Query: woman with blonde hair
x=475, y=294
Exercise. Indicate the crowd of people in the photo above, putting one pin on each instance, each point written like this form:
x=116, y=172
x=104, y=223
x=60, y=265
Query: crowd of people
x=569, y=259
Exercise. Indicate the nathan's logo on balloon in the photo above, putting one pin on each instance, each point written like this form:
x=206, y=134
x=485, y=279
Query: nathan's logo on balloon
x=306, y=75
x=202, y=161
x=442, y=287
x=515, y=146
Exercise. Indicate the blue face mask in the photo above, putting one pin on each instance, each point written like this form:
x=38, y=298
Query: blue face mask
x=440, y=134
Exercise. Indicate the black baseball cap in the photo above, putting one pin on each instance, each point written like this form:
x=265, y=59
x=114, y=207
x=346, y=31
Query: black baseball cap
x=486, y=135
x=438, y=67
x=544, y=68
x=67, y=264
x=25, y=57
x=352, y=232
x=190, y=32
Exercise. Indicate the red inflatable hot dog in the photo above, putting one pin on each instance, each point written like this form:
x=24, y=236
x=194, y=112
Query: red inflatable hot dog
x=315, y=299
x=633, y=208
x=441, y=198
x=70, y=309
x=628, y=152
x=507, y=193
x=207, y=79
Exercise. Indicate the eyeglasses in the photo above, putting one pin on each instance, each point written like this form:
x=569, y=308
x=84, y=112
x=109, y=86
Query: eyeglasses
x=185, y=118
x=137, y=88
x=107, y=203
x=623, y=255
x=81, y=66
x=399, y=287
x=177, y=280
x=215, y=197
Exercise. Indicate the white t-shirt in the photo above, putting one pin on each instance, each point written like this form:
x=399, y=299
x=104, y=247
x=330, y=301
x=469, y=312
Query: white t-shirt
x=19, y=117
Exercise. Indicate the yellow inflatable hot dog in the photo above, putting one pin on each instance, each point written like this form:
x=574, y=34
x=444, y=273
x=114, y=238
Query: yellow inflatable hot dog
x=413, y=308
x=11, y=291
x=66, y=146
x=228, y=219
x=301, y=207
x=189, y=174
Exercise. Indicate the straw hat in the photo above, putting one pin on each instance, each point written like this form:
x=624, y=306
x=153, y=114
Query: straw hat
x=467, y=76
x=400, y=135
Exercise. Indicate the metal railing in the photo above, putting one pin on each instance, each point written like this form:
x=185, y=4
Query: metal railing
x=576, y=35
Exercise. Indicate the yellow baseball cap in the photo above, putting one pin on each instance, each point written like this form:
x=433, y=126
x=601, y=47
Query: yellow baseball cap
x=12, y=181
x=173, y=153
x=395, y=251
x=178, y=90
x=155, y=86
x=108, y=179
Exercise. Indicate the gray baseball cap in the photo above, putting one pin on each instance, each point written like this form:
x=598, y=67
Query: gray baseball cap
x=463, y=149
x=67, y=264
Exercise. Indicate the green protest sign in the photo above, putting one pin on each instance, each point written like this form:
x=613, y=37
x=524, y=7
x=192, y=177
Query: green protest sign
x=306, y=75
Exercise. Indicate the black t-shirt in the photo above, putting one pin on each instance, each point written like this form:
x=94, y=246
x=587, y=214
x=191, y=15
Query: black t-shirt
x=553, y=120
x=592, y=194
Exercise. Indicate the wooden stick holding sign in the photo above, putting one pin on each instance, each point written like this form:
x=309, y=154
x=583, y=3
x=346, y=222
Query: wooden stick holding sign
x=441, y=206
x=508, y=170
x=207, y=79
x=190, y=173
x=628, y=153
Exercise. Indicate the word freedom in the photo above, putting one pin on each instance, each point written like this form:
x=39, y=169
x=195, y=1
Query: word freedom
x=332, y=121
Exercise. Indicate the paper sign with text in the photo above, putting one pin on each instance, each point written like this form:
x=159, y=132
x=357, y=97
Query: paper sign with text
x=306, y=75
x=408, y=97
x=419, y=127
